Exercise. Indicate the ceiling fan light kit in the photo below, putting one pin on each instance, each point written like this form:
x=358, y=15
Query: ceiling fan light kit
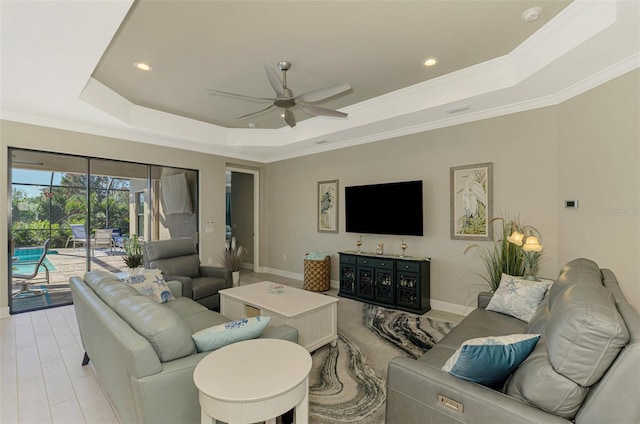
x=286, y=100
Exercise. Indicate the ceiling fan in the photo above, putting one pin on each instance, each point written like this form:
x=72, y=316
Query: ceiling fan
x=287, y=101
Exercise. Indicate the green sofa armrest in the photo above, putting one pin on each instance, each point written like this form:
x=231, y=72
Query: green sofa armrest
x=215, y=271
x=483, y=299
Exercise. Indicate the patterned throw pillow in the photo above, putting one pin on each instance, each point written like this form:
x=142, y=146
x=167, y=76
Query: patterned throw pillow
x=221, y=335
x=150, y=283
x=490, y=360
x=518, y=297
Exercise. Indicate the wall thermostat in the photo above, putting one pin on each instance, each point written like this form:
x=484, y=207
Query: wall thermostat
x=571, y=204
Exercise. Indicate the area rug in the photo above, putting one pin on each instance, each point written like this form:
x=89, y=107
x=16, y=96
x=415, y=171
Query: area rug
x=347, y=383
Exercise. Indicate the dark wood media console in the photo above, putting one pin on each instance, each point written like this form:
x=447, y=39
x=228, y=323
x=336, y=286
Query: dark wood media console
x=385, y=280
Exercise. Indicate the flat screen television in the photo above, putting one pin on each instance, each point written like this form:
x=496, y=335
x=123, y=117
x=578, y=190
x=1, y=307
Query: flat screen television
x=392, y=208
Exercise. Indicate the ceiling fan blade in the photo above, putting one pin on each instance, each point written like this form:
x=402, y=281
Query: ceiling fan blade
x=322, y=111
x=289, y=118
x=324, y=93
x=255, y=113
x=274, y=79
x=242, y=96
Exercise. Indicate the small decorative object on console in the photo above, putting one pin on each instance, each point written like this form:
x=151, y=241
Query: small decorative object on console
x=380, y=248
x=359, y=244
x=276, y=289
x=403, y=246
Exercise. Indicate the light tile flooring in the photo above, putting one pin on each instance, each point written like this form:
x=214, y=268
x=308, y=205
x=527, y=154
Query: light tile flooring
x=41, y=376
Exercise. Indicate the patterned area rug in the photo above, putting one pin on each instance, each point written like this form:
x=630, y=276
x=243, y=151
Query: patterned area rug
x=347, y=383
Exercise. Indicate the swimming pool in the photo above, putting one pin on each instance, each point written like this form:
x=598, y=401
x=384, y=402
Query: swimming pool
x=31, y=254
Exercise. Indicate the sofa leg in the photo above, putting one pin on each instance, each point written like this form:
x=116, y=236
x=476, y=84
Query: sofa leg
x=85, y=360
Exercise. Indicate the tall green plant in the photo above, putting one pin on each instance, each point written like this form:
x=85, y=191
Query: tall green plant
x=500, y=256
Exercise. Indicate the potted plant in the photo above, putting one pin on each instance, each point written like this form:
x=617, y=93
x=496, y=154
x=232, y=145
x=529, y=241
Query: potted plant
x=133, y=253
x=231, y=257
x=515, y=251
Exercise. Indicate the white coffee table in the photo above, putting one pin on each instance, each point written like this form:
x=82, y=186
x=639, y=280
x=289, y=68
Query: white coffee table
x=254, y=380
x=314, y=315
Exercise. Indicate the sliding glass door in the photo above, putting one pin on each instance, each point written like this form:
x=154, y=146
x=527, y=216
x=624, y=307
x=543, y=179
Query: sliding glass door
x=72, y=214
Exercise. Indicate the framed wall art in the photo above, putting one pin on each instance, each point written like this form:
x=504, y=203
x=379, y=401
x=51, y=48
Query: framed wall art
x=328, y=206
x=471, y=201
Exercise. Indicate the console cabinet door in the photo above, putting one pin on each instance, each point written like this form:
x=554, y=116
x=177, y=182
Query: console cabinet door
x=384, y=286
x=408, y=290
x=365, y=282
x=347, y=279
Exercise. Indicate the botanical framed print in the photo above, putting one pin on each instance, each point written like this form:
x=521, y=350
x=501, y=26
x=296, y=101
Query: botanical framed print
x=471, y=201
x=328, y=206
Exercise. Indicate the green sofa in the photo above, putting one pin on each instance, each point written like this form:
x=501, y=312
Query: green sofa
x=142, y=350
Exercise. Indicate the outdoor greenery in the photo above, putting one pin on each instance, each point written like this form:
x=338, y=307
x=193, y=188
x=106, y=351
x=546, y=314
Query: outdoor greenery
x=42, y=212
x=500, y=256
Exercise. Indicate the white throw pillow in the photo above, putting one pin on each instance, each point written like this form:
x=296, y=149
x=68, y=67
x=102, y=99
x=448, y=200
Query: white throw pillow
x=221, y=335
x=150, y=283
x=518, y=297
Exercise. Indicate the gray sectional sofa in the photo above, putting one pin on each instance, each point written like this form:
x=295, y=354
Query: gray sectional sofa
x=584, y=369
x=142, y=350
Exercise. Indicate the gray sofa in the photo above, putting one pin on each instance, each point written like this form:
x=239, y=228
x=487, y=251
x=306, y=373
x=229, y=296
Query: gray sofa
x=142, y=350
x=584, y=369
x=178, y=260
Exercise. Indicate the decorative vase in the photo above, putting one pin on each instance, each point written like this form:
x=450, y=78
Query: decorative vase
x=380, y=248
x=235, y=276
x=134, y=271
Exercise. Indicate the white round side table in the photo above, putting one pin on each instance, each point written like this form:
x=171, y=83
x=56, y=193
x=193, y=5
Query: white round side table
x=254, y=380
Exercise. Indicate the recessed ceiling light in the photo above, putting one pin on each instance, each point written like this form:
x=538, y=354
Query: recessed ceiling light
x=531, y=15
x=143, y=66
x=430, y=61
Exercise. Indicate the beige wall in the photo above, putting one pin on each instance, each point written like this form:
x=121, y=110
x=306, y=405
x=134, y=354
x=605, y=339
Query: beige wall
x=600, y=152
x=522, y=147
x=585, y=149
x=212, y=175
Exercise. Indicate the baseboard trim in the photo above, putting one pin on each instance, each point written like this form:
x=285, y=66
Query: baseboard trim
x=4, y=312
x=451, y=307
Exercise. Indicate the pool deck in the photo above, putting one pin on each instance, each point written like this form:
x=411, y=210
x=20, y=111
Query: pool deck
x=68, y=263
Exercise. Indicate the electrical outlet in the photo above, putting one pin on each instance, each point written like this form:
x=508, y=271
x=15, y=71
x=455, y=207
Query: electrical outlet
x=209, y=261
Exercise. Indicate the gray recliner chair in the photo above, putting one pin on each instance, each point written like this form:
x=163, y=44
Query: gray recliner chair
x=178, y=260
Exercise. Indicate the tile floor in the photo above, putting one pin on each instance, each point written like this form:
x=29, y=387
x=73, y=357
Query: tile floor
x=41, y=376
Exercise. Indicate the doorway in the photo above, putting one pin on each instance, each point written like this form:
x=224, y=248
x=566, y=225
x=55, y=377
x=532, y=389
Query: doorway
x=242, y=212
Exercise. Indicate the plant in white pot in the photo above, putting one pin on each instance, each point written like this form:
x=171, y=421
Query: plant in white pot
x=232, y=255
x=133, y=254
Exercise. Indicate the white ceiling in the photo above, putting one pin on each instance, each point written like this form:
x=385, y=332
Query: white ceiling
x=69, y=65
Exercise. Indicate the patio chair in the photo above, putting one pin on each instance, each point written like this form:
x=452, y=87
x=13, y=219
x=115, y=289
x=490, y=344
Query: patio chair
x=78, y=235
x=24, y=289
x=102, y=237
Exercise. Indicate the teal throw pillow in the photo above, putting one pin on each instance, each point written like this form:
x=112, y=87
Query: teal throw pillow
x=221, y=335
x=490, y=360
